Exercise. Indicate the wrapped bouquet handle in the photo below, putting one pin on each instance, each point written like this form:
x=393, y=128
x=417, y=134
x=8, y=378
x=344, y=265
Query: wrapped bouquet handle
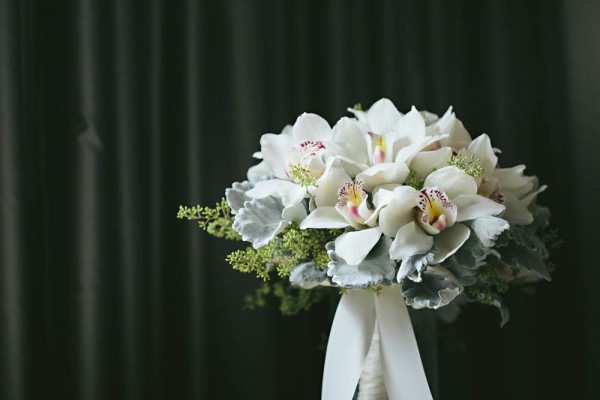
x=351, y=336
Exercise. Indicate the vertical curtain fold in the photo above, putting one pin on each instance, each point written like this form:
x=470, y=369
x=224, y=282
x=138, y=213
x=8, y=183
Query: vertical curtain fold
x=152, y=134
x=89, y=226
x=198, y=282
x=13, y=111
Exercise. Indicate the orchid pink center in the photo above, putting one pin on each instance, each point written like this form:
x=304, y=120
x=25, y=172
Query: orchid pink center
x=491, y=189
x=433, y=146
x=379, y=148
x=436, y=212
x=310, y=149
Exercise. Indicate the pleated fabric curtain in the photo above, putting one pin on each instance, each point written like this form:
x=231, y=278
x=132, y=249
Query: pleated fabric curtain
x=113, y=113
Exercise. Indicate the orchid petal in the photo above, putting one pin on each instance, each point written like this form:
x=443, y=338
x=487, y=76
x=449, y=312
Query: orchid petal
x=353, y=247
x=383, y=116
x=278, y=152
x=514, y=180
x=349, y=141
x=471, y=206
x=350, y=219
x=382, y=174
x=399, y=211
x=259, y=172
x=429, y=118
x=326, y=193
x=310, y=127
x=372, y=220
x=452, y=181
x=382, y=195
x=360, y=115
x=449, y=241
x=458, y=137
x=324, y=218
x=410, y=240
x=482, y=149
x=407, y=153
x=412, y=126
x=427, y=161
x=527, y=200
x=350, y=166
x=516, y=212
x=365, y=211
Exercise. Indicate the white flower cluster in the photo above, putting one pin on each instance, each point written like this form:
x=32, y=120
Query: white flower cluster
x=412, y=188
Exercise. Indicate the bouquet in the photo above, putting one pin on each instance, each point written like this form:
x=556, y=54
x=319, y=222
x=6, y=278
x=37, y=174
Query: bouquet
x=391, y=209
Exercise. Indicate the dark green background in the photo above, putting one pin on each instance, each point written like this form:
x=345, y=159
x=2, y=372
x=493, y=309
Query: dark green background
x=112, y=113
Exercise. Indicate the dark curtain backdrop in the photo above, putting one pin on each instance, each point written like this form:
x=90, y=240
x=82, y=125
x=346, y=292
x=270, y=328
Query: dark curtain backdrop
x=113, y=113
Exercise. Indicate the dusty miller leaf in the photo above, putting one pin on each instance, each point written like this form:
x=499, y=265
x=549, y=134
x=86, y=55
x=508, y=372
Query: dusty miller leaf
x=465, y=263
x=260, y=220
x=376, y=269
x=520, y=236
x=449, y=313
x=514, y=254
x=434, y=290
x=236, y=195
x=412, y=266
x=504, y=312
x=521, y=248
x=541, y=217
x=307, y=275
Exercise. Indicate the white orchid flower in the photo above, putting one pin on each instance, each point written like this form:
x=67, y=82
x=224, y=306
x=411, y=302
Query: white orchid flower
x=351, y=208
x=508, y=186
x=303, y=144
x=378, y=126
x=381, y=132
x=455, y=134
x=377, y=146
x=449, y=196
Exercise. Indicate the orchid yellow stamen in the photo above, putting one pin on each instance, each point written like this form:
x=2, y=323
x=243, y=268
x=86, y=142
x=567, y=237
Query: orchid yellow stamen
x=352, y=199
x=351, y=192
x=436, y=212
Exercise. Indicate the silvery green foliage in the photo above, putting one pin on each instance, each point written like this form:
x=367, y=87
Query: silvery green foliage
x=376, y=269
x=487, y=230
x=520, y=236
x=520, y=248
x=467, y=260
x=236, y=195
x=449, y=313
x=541, y=217
x=434, y=291
x=307, y=275
x=412, y=267
x=260, y=220
x=504, y=312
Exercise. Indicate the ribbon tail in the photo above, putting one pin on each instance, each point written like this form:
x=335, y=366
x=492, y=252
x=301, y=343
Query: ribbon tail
x=348, y=345
x=403, y=371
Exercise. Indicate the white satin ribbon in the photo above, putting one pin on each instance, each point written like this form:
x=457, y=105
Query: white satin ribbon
x=350, y=338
